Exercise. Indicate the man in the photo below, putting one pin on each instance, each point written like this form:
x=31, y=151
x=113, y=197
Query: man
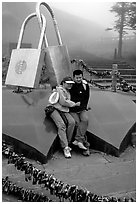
x=80, y=93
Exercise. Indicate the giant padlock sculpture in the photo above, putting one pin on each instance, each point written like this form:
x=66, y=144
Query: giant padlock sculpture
x=26, y=63
x=57, y=59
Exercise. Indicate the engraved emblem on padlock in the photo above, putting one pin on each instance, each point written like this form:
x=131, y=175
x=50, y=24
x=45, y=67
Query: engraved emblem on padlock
x=26, y=63
x=20, y=66
x=57, y=59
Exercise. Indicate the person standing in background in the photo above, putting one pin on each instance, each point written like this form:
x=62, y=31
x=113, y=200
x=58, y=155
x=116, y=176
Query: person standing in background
x=114, y=74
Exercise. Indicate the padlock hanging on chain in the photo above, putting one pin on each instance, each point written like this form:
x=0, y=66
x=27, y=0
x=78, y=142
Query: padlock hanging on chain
x=57, y=58
x=26, y=63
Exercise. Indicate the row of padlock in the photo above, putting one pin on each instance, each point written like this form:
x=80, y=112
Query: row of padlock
x=26, y=64
x=56, y=187
x=28, y=195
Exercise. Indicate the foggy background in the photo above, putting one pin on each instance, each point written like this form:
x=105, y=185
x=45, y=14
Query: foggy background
x=82, y=29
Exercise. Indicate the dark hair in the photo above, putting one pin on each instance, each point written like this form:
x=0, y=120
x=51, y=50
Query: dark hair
x=77, y=72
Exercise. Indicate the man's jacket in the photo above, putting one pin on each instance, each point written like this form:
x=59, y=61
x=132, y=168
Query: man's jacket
x=80, y=93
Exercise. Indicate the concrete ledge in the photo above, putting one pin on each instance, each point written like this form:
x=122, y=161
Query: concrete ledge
x=30, y=152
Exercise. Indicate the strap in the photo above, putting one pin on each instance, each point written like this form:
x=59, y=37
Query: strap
x=63, y=117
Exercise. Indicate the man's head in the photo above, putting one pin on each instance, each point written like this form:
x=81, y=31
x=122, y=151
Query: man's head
x=67, y=83
x=78, y=76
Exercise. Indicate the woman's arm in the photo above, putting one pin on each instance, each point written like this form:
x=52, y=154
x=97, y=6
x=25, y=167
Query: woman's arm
x=64, y=101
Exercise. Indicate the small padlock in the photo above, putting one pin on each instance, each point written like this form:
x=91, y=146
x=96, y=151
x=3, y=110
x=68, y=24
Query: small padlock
x=26, y=64
x=35, y=176
x=57, y=59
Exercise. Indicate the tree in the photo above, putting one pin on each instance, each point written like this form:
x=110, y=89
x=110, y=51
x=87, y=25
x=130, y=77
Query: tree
x=126, y=20
x=131, y=21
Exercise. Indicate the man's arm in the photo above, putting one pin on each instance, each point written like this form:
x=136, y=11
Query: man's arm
x=86, y=96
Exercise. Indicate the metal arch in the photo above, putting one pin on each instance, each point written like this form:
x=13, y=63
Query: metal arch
x=53, y=18
x=23, y=29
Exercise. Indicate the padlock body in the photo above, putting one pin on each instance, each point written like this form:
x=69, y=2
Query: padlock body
x=25, y=67
x=58, y=63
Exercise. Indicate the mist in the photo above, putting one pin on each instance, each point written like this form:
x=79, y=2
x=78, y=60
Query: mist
x=84, y=38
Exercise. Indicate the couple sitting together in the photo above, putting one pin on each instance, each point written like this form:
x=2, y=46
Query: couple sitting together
x=72, y=102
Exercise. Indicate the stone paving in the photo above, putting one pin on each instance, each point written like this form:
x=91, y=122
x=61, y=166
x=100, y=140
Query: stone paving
x=99, y=173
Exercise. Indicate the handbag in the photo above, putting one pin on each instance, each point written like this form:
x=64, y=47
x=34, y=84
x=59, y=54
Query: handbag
x=49, y=110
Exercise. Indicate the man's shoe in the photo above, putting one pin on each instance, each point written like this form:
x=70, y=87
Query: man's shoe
x=67, y=153
x=79, y=144
x=86, y=152
x=86, y=144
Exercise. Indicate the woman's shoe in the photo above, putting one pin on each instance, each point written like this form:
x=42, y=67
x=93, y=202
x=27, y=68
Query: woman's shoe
x=67, y=153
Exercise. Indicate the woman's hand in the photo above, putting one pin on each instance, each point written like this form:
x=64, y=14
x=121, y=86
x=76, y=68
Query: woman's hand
x=77, y=104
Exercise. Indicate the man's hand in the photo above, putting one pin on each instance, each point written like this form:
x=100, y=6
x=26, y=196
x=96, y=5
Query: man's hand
x=89, y=108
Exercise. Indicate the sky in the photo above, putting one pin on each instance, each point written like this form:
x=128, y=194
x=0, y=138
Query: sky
x=96, y=11
x=93, y=10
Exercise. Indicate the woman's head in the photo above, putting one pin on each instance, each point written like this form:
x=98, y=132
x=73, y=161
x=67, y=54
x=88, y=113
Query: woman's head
x=67, y=82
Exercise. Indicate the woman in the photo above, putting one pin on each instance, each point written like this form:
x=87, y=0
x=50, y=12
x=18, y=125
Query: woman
x=62, y=106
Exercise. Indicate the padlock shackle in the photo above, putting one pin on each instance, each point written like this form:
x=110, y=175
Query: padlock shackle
x=23, y=29
x=53, y=18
